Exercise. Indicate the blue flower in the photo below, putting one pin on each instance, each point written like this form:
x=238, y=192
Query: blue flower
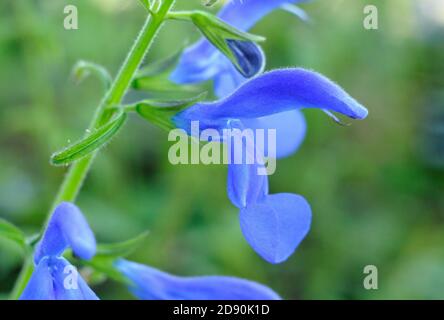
x=202, y=61
x=54, y=278
x=275, y=92
x=50, y=280
x=274, y=225
x=148, y=283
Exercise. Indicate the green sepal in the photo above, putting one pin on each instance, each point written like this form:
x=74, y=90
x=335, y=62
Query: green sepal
x=211, y=24
x=160, y=112
x=217, y=32
x=154, y=77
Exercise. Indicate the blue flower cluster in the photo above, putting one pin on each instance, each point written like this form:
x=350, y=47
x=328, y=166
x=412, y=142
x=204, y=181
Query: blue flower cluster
x=273, y=224
x=54, y=278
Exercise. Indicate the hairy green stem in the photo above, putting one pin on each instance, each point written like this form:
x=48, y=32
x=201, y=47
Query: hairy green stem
x=77, y=173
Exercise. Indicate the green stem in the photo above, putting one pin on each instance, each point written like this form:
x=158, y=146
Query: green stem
x=23, y=278
x=77, y=173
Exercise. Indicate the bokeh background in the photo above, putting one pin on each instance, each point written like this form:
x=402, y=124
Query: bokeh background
x=376, y=187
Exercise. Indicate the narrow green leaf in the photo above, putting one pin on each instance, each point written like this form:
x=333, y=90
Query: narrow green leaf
x=122, y=249
x=91, y=143
x=11, y=232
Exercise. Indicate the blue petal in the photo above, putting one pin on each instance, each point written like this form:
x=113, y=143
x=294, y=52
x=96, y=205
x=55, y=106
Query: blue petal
x=199, y=62
x=60, y=274
x=152, y=284
x=275, y=227
x=40, y=285
x=244, y=185
x=66, y=228
x=290, y=129
x=48, y=283
x=249, y=56
x=290, y=126
x=202, y=62
x=244, y=14
x=275, y=92
x=227, y=80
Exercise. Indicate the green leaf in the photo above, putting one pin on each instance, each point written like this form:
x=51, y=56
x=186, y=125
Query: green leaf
x=91, y=143
x=122, y=249
x=160, y=112
x=11, y=232
x=82, y=69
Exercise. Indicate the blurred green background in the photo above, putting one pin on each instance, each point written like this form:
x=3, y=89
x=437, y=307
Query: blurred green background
x=376, y=187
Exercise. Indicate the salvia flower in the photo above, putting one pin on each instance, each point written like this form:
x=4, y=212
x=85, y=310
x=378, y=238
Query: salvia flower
x=274, y=225
x=202, y=61
x=148, y=283
x=67, y=228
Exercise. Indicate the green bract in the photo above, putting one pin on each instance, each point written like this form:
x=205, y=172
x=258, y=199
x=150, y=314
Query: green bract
x=218, y=33
x=160, y=112
x=154, y=77
x=90, y=143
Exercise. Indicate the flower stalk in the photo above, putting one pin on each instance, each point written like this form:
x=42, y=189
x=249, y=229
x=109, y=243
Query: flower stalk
x=77, y=173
